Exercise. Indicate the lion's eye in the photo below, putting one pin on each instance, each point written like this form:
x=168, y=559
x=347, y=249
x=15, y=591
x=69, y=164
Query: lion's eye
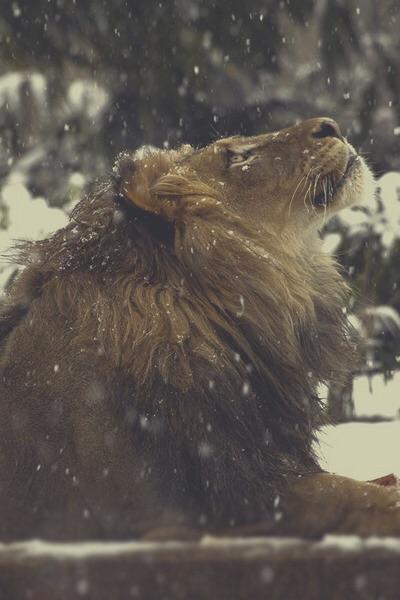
x=239, y=158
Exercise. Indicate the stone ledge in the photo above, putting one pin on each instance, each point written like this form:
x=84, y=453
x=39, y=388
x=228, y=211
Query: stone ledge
x=336, y=568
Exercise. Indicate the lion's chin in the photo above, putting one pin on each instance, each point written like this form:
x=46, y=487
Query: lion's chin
x=356, y=186
x=328, y=196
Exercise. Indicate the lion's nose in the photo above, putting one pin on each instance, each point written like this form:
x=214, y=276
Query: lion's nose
x=327, y=128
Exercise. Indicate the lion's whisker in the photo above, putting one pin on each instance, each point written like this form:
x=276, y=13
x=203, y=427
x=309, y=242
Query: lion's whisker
x=294, y=193
x=316, y=182
x=305, y=197
x=325, y=201
x=310, y=172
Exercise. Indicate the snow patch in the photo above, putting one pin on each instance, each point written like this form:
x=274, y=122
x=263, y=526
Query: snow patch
x=360, y=450
x=88, y=97
x=26, y=218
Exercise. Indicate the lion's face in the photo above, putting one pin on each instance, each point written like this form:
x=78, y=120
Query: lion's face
x=291, y=179
x=300, y=174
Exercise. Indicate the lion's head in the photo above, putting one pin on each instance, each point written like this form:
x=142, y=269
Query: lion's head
x=294, y=178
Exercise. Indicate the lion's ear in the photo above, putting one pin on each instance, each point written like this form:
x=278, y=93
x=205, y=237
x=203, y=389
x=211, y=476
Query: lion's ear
x=139, y=177
x=156, y=183
x=136, y=178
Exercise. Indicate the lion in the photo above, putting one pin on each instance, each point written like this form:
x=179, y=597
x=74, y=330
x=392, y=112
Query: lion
x=160, y=355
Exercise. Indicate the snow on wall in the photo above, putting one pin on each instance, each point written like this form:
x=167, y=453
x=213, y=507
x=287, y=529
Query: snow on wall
x=82, y=550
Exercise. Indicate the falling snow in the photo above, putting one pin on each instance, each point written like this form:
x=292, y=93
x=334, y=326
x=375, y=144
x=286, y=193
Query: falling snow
x=79, y=84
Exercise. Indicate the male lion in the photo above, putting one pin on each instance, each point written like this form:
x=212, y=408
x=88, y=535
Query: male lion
x=160, y=355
